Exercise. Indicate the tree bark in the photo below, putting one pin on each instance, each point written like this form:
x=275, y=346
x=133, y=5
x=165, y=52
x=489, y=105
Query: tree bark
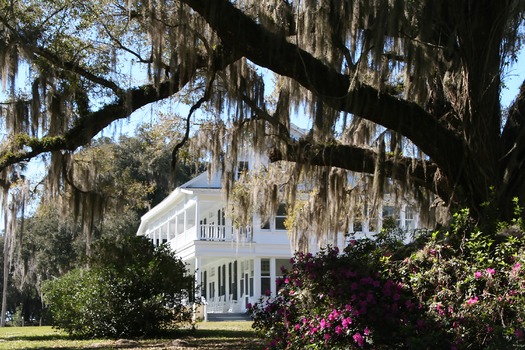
x=273, y=51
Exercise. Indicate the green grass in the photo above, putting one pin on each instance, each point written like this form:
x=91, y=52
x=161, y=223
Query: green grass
x=208, y=335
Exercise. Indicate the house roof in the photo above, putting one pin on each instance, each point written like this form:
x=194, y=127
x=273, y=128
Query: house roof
x=203, y=182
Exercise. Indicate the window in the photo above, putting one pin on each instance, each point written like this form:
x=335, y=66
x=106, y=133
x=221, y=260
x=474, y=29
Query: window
x=280, y=265
x=242, y=168
x=265, y=267
x=390, y=221
x=280, y=217
x=372, y=225
x=220, y=280
x=409, y=218
x=212, y=290
x=265, y=276
x=265, y=225
x=233, y=289
x=223, y=290
x=358, y=226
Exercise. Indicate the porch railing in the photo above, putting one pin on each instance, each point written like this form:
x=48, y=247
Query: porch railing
x=212, y=232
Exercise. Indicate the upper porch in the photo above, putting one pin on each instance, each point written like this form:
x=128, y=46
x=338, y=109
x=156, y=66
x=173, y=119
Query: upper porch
x=189, y=215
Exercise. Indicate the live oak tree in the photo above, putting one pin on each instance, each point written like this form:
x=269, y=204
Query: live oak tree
x=405, y=91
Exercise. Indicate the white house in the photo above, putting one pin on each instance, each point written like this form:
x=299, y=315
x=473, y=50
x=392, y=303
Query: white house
x=234, y=265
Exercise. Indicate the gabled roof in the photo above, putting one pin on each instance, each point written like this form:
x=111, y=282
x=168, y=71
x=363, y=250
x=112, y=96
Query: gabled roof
x=204, y=180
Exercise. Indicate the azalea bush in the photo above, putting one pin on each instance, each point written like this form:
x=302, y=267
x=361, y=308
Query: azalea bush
x=472, y=282
x=460, y=288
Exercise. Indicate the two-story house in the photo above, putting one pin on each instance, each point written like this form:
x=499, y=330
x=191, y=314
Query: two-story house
x=233, y=265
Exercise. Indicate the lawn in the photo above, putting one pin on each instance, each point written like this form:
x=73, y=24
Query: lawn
x=208, y=335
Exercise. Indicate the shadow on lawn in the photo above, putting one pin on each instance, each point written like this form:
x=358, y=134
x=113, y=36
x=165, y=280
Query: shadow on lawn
x=199, y=339
x=35, y=338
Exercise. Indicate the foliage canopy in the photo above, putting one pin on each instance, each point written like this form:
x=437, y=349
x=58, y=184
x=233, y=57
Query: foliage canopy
x=404, y=90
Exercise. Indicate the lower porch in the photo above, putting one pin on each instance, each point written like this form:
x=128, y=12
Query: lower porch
x=227, y=285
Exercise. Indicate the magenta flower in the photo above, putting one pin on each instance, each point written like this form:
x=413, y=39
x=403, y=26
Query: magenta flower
x=478, y=274
x=327, y=336
x=323, y=324
x=338, y=329
x=358, y=338
x=346, y=322
x=472, y=301
x=518, y=333
x=366, y=331
x=333, y=315
x=490, y=271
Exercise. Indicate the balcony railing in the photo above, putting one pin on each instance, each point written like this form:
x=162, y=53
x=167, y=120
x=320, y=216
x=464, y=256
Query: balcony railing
x=212, y=232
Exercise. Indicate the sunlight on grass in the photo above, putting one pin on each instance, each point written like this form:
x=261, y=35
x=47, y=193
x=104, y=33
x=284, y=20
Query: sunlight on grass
x=42, y=338
x=219, y=335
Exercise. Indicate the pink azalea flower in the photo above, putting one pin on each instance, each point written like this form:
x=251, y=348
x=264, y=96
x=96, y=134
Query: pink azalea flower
x=346, y=322
x=472, y=301
x=327, y=336
x=518, y=333
x=478, y=274
x=338, y=329
x=490, y=271
x=333, y=315
x=366, y=331
x=358, y=338
x=323, y=324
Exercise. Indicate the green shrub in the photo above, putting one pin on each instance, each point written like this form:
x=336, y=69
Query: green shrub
x=131, y=289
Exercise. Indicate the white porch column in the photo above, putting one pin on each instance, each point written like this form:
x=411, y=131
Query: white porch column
x=197, y=293
x=273, y=277
x=379, y=219
x=402, y=216
x=238, y=283
x=198, y=280
x=185, y=225
x=256, y=277
x=197, y=223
